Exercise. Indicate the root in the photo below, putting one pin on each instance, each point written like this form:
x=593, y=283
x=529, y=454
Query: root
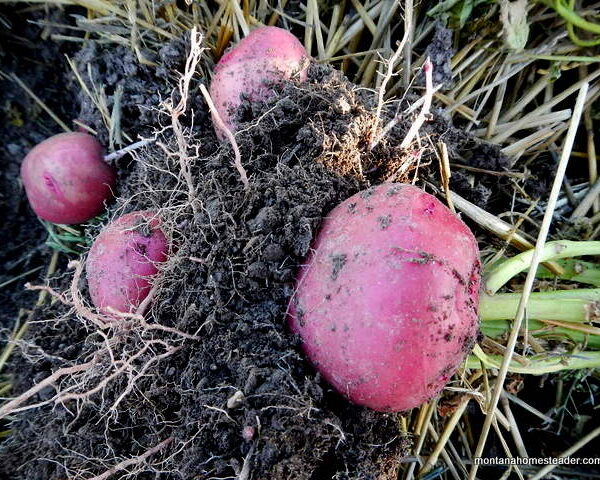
x=425, y=101
x=130, y=148
x=15, y=403
x=381, y=94
x=82, y=382
x=50, y=291
x=77, y=301
x=176, y=111
x=130, y=462
x=246, y=472
x=424, y=113
x=236, y=150
x=132, y=379
x=103, y=365
x=123, y=366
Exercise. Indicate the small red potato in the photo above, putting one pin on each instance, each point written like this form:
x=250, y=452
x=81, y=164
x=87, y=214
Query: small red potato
x=123, y=260
x=267, y=55
x=66, y=179
x=386, y=302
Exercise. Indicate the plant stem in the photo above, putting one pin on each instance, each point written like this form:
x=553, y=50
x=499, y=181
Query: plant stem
x=537, y=365
x=570, y=308
x=502, y=273
x=564, y=305
x=574, y=270
x=571, y=16
x=540, y=329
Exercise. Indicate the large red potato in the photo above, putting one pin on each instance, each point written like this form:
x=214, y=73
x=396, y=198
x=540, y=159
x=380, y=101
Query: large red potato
x=123, y=260
x=66, y=179
x=386, y=302
x=267, y=55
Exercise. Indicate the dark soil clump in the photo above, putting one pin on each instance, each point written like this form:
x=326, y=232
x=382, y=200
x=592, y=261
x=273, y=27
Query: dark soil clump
x=440, y=52
x=130, y=91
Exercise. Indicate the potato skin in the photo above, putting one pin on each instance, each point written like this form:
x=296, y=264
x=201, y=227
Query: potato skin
x=266, y=55
x=386, y=302
x=123, y=259
x=66, y=179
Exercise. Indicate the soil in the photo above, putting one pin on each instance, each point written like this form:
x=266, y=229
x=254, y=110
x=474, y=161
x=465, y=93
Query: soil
x=132, y=90
x=440, y=52
x=225, y=393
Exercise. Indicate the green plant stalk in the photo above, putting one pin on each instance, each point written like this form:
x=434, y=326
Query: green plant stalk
x=58, y=241
x=562, y=305
x=497, y=328
x=569, y=306
x=578, y=41
x=574, y=270
x=566, y=306
x=5, y=354
x=501, y=273
x=563, y=58
x=538, y=365
x=570, y=16
x=573, y=36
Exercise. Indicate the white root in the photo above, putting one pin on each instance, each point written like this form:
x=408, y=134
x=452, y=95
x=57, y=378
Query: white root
x=424, y=113
x=176, y=111
x=221, y=125
x=130, y=462
x=391, y=63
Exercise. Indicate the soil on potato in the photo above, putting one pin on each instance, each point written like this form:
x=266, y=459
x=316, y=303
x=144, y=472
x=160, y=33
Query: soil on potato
x=227, y=395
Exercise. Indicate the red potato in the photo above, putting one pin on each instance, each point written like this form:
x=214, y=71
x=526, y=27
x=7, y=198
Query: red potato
x=66, y=179
x=386, y=303
x=267, y=55
x=123, y=260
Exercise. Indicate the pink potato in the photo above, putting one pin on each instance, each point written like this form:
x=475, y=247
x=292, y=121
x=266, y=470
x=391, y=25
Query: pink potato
x=386, y=302
x=267, y=55
x=123, y=260
x=66, y=179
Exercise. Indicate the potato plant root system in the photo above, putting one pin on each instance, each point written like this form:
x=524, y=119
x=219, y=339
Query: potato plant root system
x=211, y=384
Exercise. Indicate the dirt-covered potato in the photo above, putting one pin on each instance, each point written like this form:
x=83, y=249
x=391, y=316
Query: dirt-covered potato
x=123, y=260
x=386, y=304
x=66, y=178
x=265, y=57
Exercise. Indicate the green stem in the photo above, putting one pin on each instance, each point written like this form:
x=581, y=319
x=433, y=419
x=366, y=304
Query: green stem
x=574, y=270
x=573, y=36
x=578, y=41
x=570, y=309
x=571, y=16
x=537, y=365
x=498, y=328
x=562, y=305
x=569, y=306
x=4, y=389
x=502, y=273
x=563, y=58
